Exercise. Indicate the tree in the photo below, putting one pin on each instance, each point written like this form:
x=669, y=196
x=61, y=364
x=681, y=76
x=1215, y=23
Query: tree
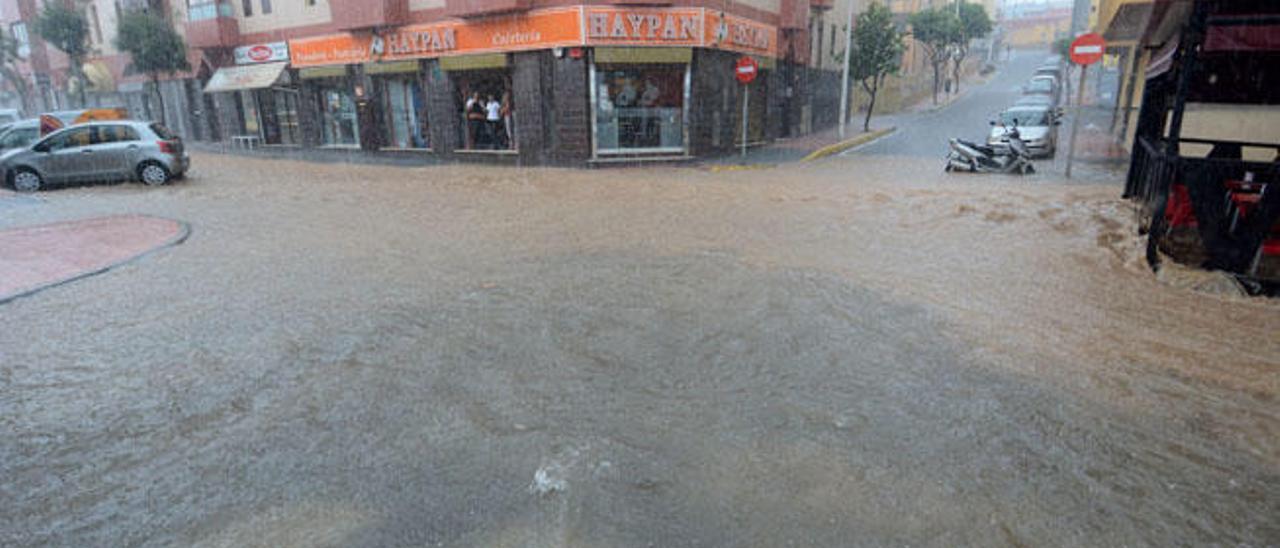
x=66, y=29
x=877, y=52
x=973, y=24
x=9, y=72
x=935, y=30
x=1062, y=46
x=154, y=47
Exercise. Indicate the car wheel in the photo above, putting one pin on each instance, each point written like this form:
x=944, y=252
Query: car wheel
x=26, y=180
x=947, y=168
x=153, y=174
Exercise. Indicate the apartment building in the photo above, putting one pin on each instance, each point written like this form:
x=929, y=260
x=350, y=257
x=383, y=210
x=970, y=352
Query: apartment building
x=43, y=69
x=575, y=81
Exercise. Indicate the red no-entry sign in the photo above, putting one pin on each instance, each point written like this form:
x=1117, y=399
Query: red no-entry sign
x=746, y=69
x=1087, y=49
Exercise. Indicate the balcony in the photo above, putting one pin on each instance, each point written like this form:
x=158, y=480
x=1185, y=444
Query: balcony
x=481, y=8
x=365, y=14
x=212, y=25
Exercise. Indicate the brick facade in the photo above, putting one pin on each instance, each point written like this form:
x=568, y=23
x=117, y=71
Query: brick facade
x=444, y=112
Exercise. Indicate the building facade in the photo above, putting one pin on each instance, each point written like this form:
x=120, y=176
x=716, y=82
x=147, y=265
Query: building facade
x=570, y=82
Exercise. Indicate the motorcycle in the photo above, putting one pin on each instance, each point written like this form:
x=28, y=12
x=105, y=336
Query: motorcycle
x=973, y=157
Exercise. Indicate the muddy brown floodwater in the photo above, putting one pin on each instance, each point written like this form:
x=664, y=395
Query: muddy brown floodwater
x=864, y=352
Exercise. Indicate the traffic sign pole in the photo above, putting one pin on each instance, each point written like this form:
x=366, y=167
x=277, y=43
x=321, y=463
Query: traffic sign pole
x=1086, y=50
x=745, y=71
x=1075, y=120
x=746, y=96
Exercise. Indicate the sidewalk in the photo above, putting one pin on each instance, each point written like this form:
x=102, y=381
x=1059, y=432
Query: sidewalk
x=795, y=149
x=827, y=141
x=38, y=257
x=1095, y=143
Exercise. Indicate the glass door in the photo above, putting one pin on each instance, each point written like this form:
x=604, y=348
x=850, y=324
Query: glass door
x=341, y=127
x=404, y=110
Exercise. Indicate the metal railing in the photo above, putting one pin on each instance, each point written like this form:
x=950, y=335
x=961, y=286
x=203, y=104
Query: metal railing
x=1153, y=173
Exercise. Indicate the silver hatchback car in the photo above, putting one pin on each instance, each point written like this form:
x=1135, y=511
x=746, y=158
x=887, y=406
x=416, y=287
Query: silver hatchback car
x=97, y=151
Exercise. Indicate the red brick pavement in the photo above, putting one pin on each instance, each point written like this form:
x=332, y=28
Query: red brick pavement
x=37, y=257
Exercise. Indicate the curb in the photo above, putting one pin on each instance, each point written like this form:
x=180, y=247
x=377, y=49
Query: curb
x=717, y=168
x=184, y=231
x=848, y=144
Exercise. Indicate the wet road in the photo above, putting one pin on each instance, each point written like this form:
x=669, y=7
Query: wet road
x=926, y=134
x=923, y=135
x=485, y=357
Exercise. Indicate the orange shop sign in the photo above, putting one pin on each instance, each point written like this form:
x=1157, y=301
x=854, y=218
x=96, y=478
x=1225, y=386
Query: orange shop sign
x=733, y=33
x=333, y=49
x=644, y=26
x=541, y=29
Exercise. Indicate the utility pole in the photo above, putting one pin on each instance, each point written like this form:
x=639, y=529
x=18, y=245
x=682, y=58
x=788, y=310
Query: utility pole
x=844, y=79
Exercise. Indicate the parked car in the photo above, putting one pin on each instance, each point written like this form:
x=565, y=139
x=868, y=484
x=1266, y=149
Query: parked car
x=9, y=116
x=1039, y=101
x=1042, y=86
x=1051, y=69
x=19, y=134
x=1036, y=125
x=98, y=151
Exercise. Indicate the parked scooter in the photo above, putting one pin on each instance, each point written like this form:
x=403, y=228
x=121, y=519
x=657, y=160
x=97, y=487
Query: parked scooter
x=970, y=156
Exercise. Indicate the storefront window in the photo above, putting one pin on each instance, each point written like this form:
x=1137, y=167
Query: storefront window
x=249, y=113
x=640, y=108
x=487, y=110
x=279, y=110
x=286, y=109
x=338, y=116
x=406, y=113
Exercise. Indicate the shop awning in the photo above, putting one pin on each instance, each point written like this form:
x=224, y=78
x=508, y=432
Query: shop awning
x=1162, y=60
x=244, y=77
x=1127, y=24
x=1243, y=33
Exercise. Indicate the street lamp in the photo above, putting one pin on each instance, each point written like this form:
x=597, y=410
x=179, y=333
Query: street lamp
x=844, y=79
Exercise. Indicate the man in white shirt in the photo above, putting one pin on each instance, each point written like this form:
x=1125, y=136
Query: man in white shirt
x=493, y=116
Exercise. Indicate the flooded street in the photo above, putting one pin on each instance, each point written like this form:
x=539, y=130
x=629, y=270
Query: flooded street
x=471, y=356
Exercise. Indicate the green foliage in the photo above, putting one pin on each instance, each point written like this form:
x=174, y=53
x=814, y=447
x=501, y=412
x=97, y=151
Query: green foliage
x=65, y=29
x=152, y=44
x=936, y=30
x=877, y=52
x=877, y=44
x=974, y=22
x=1062, y=46
x=9, y=73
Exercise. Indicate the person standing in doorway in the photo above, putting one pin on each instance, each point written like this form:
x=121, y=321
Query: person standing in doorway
x=507, y=122
x=493, y=115
x=475, y=119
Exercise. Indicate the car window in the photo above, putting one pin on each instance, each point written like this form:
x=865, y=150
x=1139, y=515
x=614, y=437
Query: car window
x=70, y=139
x=1024, y=118
x=1040, y=85
x=10, y=139
x=18, y=137
x=114, y=134
x=163, y=132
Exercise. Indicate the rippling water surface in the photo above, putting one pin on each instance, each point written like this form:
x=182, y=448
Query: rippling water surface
x=860, y=353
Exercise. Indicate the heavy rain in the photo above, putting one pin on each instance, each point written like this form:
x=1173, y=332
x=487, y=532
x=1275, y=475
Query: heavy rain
x=813, y=344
